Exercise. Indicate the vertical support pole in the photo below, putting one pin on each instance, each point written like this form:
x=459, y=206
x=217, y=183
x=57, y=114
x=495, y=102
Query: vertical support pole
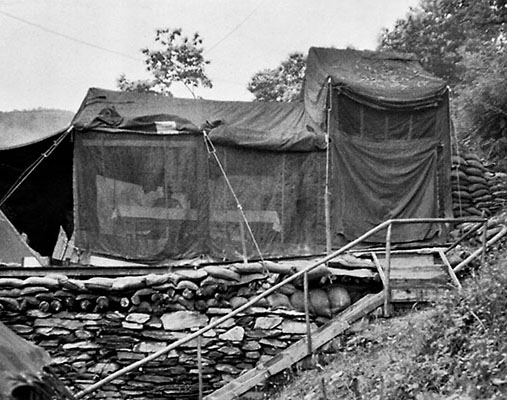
x=199, y=366
x=327, y=205
x=307, y=314
x=243, y=240
x=387, y=289
x=484, y=242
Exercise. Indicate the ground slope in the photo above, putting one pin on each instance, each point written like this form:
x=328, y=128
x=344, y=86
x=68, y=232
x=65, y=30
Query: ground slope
x=456, y=349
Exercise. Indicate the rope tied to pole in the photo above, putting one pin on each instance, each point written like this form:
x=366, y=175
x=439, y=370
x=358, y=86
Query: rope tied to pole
x=212, y=150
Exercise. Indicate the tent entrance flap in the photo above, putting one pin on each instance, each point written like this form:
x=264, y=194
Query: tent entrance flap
x=155, y=198
x=384, y=180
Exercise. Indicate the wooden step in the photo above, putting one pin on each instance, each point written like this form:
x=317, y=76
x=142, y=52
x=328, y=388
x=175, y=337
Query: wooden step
x=422, y=295
x=299, y=350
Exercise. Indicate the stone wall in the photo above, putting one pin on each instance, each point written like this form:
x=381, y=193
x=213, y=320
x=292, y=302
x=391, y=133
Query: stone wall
x=95, y=326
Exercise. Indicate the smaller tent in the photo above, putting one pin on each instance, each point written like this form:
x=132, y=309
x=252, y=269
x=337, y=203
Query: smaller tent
x=23, y=373
x=389, y=125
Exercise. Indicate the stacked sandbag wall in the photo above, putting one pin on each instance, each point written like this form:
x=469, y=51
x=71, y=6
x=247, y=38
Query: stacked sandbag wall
x=95, y=326
x=476, y=190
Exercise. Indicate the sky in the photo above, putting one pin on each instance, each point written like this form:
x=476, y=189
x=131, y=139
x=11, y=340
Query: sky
x=52, y=51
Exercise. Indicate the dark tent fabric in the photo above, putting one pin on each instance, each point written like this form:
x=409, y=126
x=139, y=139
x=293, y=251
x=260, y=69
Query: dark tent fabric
x=43, y=202
x=22, y=370
x=12, y=246
x=265, y=126
x=390, y=132
x=148, y=188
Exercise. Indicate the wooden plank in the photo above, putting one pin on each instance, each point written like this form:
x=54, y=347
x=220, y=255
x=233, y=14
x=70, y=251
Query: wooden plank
x=417, y=294
x=356, y=273
x=379, y=268
x=421, y=273
x=408, y=260
x=450, y=271
x=298, y=351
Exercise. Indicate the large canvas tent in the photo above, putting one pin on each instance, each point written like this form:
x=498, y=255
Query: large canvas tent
x=390, y=139
x=152, y=175
x=148, y=186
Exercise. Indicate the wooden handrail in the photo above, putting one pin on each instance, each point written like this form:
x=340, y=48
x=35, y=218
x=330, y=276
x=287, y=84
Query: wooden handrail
x=266, y=293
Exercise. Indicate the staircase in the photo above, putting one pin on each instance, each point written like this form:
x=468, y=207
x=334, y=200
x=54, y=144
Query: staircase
x=299, y=350
x=422, y=275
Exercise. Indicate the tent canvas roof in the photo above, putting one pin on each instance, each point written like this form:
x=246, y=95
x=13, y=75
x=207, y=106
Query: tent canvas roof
x=271, y=126
x=379, y=79
x=37, y=126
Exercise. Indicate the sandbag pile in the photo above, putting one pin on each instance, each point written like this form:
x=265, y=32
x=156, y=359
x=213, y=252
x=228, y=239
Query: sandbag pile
x=94, y=326
x=471, y=194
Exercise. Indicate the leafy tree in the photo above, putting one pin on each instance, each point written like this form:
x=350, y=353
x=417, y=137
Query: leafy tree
x=465, y=43
x=175, y=58
x=283, y=83
x=440, y=32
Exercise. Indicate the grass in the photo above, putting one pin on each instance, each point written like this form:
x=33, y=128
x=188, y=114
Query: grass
x=456, y=349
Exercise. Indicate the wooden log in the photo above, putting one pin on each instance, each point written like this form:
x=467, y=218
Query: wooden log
x=44, y=306
x=102, y=303
x=56, y=305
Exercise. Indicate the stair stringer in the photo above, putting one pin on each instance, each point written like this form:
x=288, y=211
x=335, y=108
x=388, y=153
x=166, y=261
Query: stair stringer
x=298, y=350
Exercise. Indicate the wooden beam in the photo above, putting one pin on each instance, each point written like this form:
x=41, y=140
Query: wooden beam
x=450, y=271
x=379, y=268
x=299, y=350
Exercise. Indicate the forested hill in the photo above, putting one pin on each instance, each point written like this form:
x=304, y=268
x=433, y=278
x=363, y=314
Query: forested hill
x=41, y=120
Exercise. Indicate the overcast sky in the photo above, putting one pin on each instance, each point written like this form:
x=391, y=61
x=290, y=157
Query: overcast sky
x=52, y=51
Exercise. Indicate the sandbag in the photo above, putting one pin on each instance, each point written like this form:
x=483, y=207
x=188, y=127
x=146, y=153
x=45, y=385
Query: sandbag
x=50, y=283
x=129, y=283
x=320, y=303
x=486, y=197
x=339, y=299
x=473, y=211
x=99, y=283
x=475, y=171
x=477, y=179
x=222, y=273
x=471, y=157
x=288, y=289
x=297, y=299
x=479, y=193
x=11, y=282
x=477, y=186
x=477, y=164
x=279, y=300
x=189, y=285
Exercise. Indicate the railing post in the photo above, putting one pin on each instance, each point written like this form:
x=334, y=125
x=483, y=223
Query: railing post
x=387, y=288
x=307, y=314
x=199, y=366
x=484, y=242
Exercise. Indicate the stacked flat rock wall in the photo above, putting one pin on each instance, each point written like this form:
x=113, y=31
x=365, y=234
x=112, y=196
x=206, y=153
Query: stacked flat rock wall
x=95, y=326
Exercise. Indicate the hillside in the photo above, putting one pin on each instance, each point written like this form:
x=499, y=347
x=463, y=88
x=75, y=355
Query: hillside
x=33, y=123
x=453, y=350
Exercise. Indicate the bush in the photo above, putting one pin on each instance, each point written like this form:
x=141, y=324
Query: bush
x=464, y=349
